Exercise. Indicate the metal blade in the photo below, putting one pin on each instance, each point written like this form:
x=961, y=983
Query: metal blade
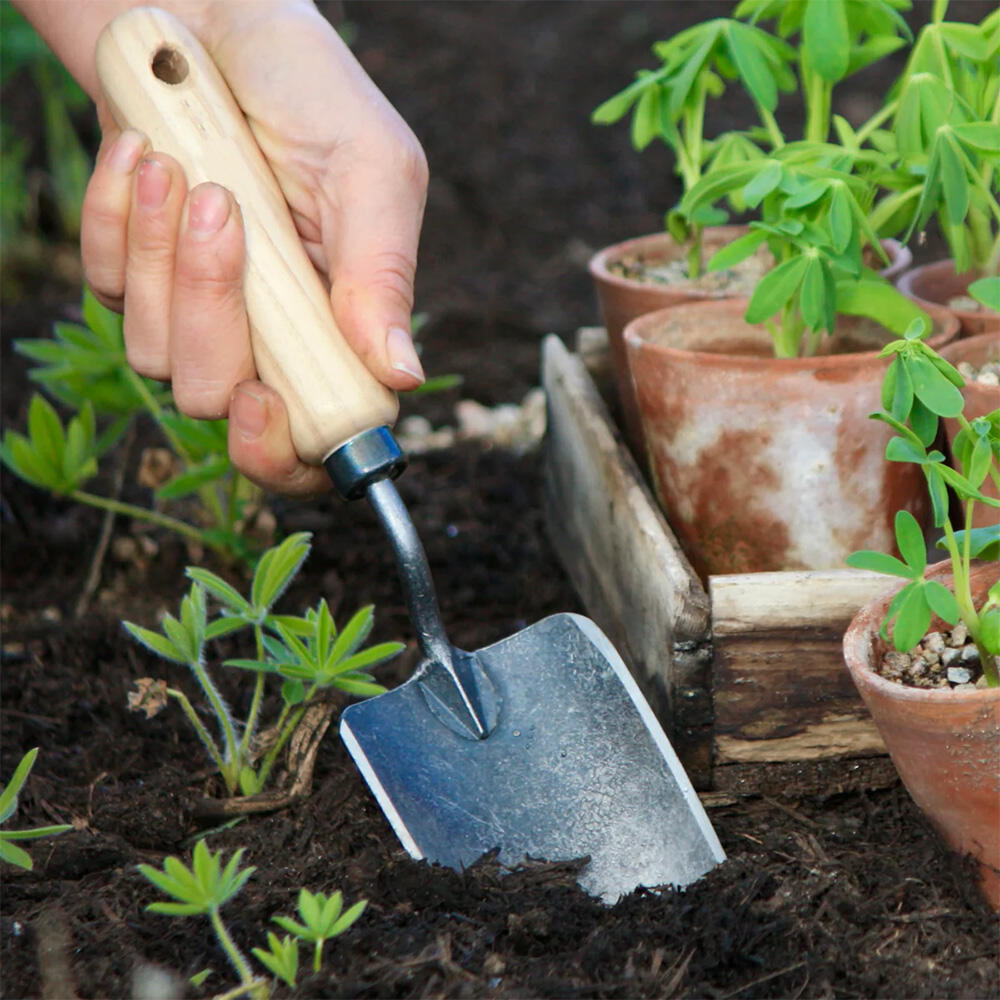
x=576, y=765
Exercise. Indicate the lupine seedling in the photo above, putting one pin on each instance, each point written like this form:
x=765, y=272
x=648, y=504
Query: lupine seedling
x=322, y=917
x=205, y=887
x=83, y=367
x=920, y=388
x=9, y=851
x=202, y=890
x=824, y=202
x=307, y=654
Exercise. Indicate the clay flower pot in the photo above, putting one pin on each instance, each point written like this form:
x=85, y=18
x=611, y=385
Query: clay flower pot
x=623, y=299
x=945, y=744
x=938, y=283
x=762, y=463
x=980, y=399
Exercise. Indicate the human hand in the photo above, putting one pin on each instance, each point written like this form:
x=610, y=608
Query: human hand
x=355, y=180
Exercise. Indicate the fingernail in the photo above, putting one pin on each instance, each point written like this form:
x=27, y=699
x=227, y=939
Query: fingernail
x=125, y=153
x=152, y=183
x=208, y=210
x=248, y=413
x=402, y=353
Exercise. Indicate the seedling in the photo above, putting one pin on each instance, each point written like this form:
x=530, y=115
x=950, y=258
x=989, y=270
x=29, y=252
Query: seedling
x=919, y=388
x=83, y=367
x=323, y=917
x=823, y=207
x=944, y=138
x=10, y=852
x=306, y=653
x=205, y=887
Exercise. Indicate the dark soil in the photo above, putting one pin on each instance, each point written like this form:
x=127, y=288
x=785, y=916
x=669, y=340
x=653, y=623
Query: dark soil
x=825, y=893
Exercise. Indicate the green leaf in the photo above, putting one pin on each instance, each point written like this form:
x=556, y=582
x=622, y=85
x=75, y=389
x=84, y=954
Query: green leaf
x=763, y=183
x=984, y=542
x=775, y=289
x=879, y=562
x=156, y=642
x=293, y=692
x=984, y=136
x=353, y=633
x=194, y=478
x=987, y=291
x=812, y=298
x=219, y=589
x=15, y=855
x=876, y=298
x=8, y=798
x=277, y=567
x=745, y=50
x=913, y=618
x=841, y=216
x=953, y=181
x=910, y=540
x=739, y=249
x=932, y=388
x=825, y=38
x=941, y=601
x=989, y=630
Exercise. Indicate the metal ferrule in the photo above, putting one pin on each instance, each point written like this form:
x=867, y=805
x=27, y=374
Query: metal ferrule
x=365, y=459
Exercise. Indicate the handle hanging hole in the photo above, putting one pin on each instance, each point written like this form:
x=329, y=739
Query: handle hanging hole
x=170, y=66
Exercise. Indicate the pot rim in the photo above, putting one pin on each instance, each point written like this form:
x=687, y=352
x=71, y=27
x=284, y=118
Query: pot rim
x=635, y=339
x=598, y=264
x=862, y=635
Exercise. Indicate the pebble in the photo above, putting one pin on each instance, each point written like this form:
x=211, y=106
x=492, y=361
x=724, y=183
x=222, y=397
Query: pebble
x=949, y=656
x=933, y=642
x=970, y=655
x=959, y=675
x=959, y=635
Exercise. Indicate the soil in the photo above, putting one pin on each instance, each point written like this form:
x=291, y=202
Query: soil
x=825, y=893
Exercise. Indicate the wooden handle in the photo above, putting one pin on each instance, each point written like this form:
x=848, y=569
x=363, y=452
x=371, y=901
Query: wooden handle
x=158, y=79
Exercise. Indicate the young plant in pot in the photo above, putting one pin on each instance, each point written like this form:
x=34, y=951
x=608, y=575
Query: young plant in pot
x=925, y=657
x=754, y=412
x=944, y=139
x=670, y=103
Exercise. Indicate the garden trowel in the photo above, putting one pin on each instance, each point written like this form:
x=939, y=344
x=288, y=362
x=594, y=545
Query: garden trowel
x=540, y=745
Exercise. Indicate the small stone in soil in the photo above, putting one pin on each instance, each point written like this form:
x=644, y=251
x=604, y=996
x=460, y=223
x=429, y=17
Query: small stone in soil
x=959, y=675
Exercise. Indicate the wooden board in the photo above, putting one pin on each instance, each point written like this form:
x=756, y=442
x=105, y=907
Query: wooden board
x=749, y=673
x=622, y=558
x=780, y=688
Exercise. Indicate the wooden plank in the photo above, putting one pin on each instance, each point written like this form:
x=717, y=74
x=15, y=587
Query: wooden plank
x=780, y=688
x=619, y=552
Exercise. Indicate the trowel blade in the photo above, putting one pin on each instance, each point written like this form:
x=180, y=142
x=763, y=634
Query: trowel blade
x=577, y=765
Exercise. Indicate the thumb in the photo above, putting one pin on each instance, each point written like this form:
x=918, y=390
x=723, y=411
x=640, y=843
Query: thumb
x=373, y=260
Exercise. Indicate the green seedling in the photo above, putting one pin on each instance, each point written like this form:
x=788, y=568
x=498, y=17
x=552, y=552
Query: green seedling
x=322, y=918
x=9, y=851
x=281, y=958
x=823, y=202
x=84, y=368
x=202, y=890
x=307, y=654
x=944, y=139
x=205, y=887
x=919, y=389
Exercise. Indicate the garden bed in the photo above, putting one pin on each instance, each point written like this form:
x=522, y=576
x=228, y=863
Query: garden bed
x=832, y=887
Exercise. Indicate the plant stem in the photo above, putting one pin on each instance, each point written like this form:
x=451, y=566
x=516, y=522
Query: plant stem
x=258, y=695
x=202, y=732
x=208, y=495
x=231, y=772
x=143, y=514
x=233, y=953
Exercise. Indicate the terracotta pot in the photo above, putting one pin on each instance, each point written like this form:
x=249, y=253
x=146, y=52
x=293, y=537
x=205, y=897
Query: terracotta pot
x=625, y=299
x=945, y=744
x=939, y=284
x=767, y=464
x=980, y=399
